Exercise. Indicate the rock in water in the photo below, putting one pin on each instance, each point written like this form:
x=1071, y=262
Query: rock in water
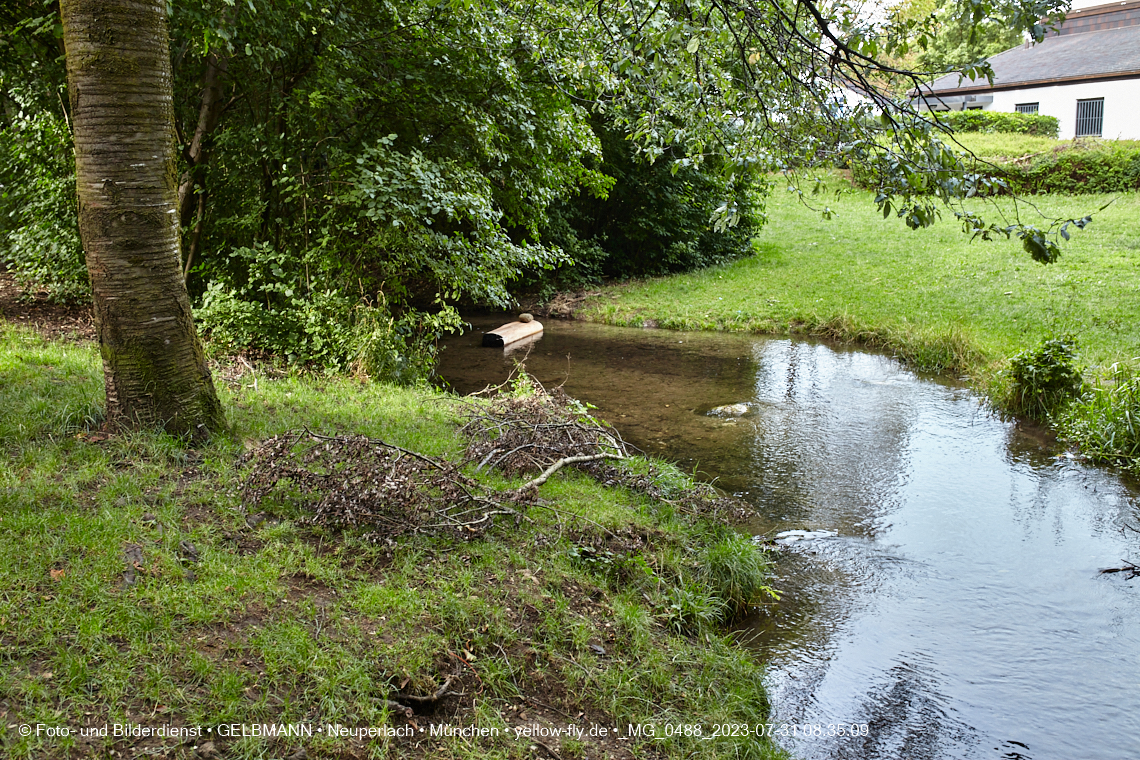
x=524, y=317
x=730, y=410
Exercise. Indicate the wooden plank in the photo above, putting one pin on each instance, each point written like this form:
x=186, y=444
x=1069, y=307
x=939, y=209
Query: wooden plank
x=509, y=333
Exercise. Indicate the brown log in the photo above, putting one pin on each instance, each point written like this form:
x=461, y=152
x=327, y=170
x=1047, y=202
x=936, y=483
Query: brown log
x=510, y=333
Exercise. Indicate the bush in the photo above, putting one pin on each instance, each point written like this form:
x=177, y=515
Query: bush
x=1044, y=378
x=39, y=228
x=1073, y=168
x=274, y=309
x=1077, y=168
x=655, y=219
x=996, y=121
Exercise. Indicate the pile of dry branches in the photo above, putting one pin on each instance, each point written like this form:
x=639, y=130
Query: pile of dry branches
x=356, y=481
x=539, y=431
x=353, y=481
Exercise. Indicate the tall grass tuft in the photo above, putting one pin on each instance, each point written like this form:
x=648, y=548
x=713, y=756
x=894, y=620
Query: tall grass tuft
x=1105, y=421
x=736, y=571
x=935, y=348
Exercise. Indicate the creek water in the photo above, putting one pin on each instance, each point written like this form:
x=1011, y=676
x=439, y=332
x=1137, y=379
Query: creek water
x=959, y=612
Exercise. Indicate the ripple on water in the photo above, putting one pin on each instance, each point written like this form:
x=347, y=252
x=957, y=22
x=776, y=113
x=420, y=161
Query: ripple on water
x=959, y=612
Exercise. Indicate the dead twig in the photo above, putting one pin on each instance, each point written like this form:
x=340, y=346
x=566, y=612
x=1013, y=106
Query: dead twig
x=439, y=694
x=547, y=747
x=562, y=463
x=357, y=481
x=1130, y=568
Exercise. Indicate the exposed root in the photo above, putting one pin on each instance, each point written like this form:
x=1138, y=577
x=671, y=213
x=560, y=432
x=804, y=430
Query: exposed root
x=430, y=699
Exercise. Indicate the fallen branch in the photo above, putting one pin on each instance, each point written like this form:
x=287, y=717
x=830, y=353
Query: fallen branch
x=439, y=694
x=1132, y=570
x=562, y=463
x=486, y=516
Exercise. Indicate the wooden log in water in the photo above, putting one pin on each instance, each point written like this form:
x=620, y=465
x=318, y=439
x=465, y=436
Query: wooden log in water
x=509, y=333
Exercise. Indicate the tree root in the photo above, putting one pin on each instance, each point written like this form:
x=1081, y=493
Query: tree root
x=430, y=699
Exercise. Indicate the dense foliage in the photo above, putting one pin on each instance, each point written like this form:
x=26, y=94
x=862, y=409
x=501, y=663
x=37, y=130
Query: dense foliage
x=1077, y=168
x=1044, y=377
x=963, y=33
x=978, y=120
x=656, y=219
x=37, y=167
x=352, y=172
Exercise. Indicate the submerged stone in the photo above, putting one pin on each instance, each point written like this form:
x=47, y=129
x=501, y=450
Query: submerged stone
x=730, y=410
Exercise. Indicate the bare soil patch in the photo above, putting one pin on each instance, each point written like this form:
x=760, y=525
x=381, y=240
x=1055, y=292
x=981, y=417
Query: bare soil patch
x=54, y=321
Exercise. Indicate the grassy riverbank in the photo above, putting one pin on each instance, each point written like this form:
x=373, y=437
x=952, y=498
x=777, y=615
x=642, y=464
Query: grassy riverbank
x=137, y=587
x=939, y=301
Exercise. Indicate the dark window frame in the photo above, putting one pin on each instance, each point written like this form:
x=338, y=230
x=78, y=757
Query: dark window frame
x=1031, y=108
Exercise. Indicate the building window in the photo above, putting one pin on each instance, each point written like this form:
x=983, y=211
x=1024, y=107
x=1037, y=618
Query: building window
x=1027, y=107
x=1090, y=117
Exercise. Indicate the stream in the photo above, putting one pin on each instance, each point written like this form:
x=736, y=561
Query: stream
x=959, y=612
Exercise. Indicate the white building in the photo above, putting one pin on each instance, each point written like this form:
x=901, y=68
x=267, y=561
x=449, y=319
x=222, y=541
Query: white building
x=1087, y=74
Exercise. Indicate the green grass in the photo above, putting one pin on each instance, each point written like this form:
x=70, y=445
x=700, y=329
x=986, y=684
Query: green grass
x=288, y=623
x=933, y=297
x=1000, y=145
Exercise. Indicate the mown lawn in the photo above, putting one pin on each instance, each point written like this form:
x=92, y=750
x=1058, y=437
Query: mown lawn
x=141, y=587
x=938, y=299
x=1001, y=145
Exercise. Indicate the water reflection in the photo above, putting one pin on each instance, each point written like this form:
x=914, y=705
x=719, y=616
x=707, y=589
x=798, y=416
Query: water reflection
x=959, y=613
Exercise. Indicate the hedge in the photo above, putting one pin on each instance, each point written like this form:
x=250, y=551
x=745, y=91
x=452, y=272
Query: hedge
x=1074, y=168
x=995, y=121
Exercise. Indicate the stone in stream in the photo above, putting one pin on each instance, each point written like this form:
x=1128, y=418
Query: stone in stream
x=730, y=410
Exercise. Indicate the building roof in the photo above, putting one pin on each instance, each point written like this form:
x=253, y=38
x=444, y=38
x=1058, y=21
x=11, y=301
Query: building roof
x=1107, y=16
x=1068, y=58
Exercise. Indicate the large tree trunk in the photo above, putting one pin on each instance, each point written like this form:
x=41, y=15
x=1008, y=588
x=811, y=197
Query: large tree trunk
x=119, y=81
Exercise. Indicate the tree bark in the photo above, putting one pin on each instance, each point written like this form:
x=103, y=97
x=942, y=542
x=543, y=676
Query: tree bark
x=120, y=87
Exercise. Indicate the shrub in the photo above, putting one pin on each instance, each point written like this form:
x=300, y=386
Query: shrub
x=996, y=121
x=1070, y=167
x=39, y=228
x=1077, y=168
x=1105, y=421
x=275, y=312
x=1044, y=378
